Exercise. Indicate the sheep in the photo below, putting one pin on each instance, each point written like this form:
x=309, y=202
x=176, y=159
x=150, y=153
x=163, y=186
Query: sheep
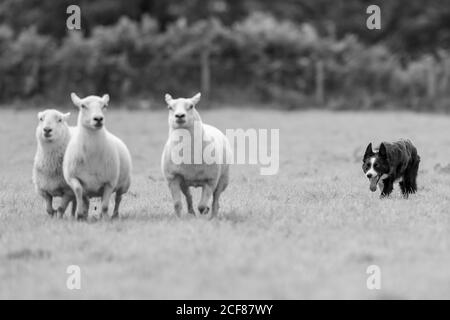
x=213, y=177
x=96, y=163
x=52, y=135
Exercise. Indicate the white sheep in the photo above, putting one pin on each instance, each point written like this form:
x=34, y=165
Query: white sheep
x=52, y=135
x=96, y=163
x=185, y=125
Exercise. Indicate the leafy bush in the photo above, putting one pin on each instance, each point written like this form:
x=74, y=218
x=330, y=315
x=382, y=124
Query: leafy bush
x=260, y=58
x=24, y=63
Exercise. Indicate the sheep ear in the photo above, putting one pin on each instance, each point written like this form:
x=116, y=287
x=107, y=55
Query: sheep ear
x=75, y=99
x=66, y=116
x=105, y=99
x=196, y=99
x=168, y=98
x=40, y=114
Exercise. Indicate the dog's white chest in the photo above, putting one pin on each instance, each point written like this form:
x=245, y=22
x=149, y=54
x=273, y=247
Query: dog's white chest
x=381, y=181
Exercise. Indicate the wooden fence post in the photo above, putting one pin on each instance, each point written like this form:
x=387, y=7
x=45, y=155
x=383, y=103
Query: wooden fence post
x=320, y=85
x=431, y=79
x=205, y=61
x=205, y=73
x=445, y=75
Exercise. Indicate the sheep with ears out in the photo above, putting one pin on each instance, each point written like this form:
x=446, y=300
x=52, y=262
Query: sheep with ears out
x=197, y=141
x=96, y=163
x=52, y=135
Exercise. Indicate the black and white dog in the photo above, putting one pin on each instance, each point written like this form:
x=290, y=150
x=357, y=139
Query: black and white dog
x=392, y=162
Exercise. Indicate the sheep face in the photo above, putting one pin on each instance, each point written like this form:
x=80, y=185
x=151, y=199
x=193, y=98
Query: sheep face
x=182, y=113
x=52, y=125
x=92, y=108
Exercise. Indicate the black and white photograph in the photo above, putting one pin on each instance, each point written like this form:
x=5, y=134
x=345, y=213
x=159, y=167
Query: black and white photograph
x=241, y=152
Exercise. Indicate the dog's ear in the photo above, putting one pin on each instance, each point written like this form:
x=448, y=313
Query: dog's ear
x=369, y=152
x=382, y=151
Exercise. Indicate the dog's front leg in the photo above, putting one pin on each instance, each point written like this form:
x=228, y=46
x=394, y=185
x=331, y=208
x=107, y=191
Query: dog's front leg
x=387, y=188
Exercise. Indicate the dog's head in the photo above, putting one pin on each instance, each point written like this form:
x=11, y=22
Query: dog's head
x=375, y=165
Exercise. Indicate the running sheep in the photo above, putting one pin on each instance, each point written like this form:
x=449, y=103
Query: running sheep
x=52, y=135
x=205, y=166
x=97, y=163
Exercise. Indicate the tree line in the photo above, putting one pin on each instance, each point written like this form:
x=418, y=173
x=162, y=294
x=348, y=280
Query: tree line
x=290, y=54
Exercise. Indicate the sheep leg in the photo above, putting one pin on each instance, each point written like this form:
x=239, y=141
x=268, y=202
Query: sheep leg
x=215, y=204
x=74, y=207
x=223, y=182
x=49, y=203
x=116, y=205
x=86, y=203
x=207, y=192
x=75, y=184
x=65, y=200
x=187, y=194
x=107, y=192
x=175, y=190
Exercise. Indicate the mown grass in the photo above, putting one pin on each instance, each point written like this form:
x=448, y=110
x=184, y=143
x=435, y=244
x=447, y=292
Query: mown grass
x=309, y=232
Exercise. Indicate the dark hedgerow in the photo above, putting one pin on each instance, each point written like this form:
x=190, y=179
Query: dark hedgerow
x=259, y=59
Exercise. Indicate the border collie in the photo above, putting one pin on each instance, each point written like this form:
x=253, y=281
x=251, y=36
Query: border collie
x=392, y=162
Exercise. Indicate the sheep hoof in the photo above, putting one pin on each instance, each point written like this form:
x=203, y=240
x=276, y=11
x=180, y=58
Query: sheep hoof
x=178, y=207
x=82, y=217
x=103, y=216
x=115, y=216
x=191, y=211
x=203, y=210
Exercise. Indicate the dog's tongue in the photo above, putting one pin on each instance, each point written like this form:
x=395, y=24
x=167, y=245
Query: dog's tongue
x=373, y=184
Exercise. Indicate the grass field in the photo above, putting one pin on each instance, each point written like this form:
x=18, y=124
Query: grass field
x=309, y=232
